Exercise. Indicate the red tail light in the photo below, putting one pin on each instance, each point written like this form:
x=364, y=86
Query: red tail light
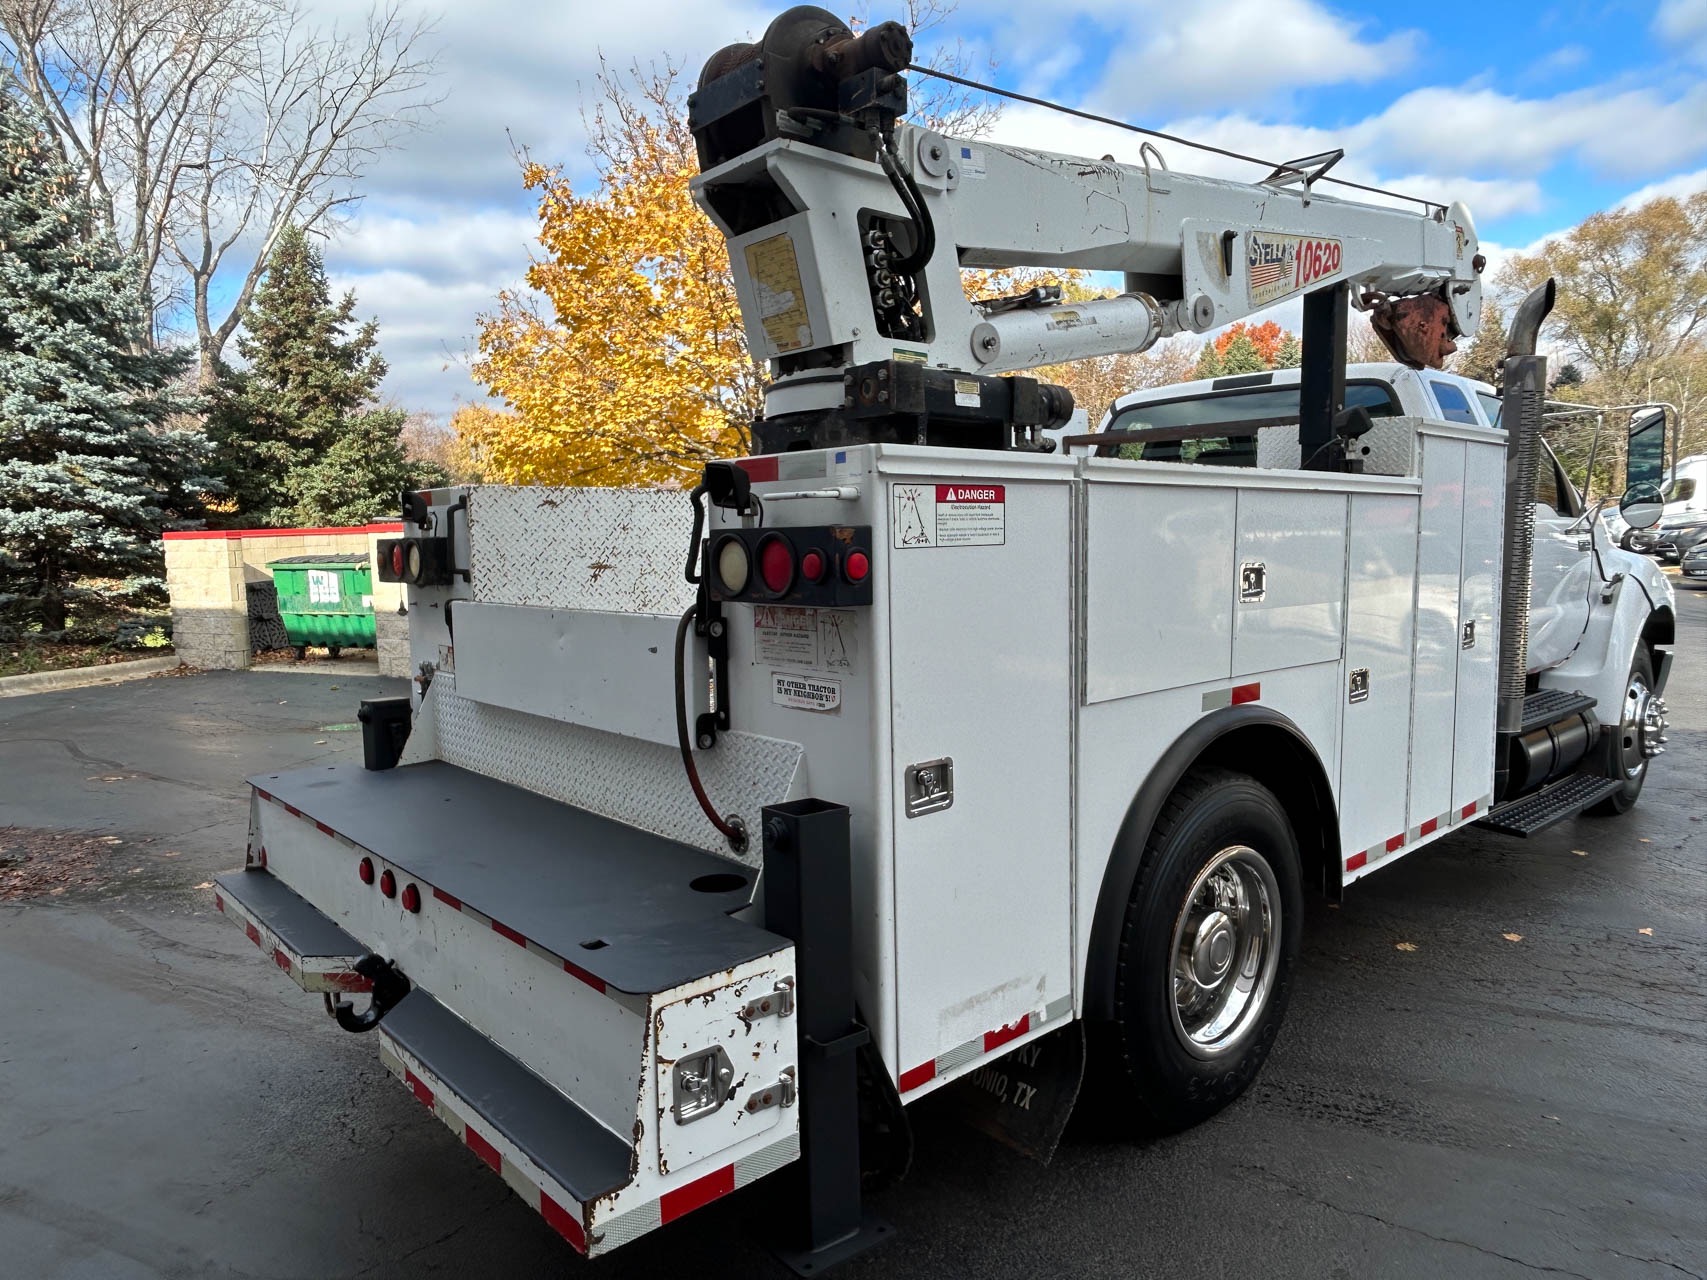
x=812, y=566
x=364, y=869
x=857, y=567
x=397, y=559
x=411, y=898
x=776, y=564
x=388, y=884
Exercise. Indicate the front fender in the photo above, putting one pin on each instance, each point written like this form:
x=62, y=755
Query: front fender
x=1601, y=662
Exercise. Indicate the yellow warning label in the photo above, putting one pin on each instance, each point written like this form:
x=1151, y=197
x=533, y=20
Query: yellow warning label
x=775, y=273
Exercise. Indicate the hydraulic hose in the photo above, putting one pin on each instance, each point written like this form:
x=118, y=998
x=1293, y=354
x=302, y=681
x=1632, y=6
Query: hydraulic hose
x=911, y=200
x=730, y=827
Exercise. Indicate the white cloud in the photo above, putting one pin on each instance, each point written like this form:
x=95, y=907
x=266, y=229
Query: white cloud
x=1184, y=57
x=1677, y=187
x=1683, y=24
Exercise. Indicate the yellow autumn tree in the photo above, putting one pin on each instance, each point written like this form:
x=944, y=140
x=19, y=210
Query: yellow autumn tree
x=624, y=361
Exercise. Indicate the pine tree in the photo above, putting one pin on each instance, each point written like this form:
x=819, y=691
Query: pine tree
x=1209, y=363
x=300, y=437
x=1290, y=353
x=1242, y=356
x=1481, y=359
x=89, y=468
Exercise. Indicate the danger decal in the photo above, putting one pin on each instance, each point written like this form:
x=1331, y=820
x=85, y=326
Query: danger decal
x=950, y=515
x=1282, y=265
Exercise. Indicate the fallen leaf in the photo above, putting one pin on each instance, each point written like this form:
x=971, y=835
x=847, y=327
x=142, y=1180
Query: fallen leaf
x=1644, y=839
x=1404, y=946
x=333, y=688
x=1514, y=937
x=205, y=884
x=1581, y=853
x=1646, y=933
x=320, y=742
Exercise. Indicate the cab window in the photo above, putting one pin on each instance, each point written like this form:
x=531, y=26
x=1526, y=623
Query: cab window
x=1257, y=406
x=1491, y=406
x=1454, y=406
x=1682, y=490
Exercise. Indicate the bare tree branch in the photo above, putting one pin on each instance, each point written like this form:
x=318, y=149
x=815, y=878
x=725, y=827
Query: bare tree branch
x=205, y=127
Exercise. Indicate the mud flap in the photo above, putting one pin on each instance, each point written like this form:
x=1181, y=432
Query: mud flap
x=1025, y=1098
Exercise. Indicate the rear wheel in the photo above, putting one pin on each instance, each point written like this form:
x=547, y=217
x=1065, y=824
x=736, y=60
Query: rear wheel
x=1206, y=951
x=1636, y=740
x=332, y=650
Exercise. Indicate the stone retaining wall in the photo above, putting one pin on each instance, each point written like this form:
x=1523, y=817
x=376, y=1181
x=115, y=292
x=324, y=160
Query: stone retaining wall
x=207, y=572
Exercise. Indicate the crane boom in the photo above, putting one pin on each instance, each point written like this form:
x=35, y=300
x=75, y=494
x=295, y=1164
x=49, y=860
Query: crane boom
x=848, y=230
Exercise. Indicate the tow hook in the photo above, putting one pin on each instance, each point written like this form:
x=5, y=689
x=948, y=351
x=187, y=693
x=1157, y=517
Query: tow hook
x=389, y=987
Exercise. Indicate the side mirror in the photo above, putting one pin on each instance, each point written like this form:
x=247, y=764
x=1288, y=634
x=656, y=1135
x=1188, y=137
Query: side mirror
x=1642, y=505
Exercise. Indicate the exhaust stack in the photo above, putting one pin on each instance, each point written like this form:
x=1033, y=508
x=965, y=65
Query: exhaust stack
x=1524, y=389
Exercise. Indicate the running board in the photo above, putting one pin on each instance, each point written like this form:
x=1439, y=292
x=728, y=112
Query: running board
x=1553, y=804
x=1549, y=706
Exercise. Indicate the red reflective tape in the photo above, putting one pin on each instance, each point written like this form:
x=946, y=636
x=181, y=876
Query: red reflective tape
x=442, y=896
x=281, y=959
x=698, y=1193
x=563, y=1222
x=265, y=795
x=417, y=1086
x=254, y=933
x=325, y=830
x=1428, y=828
x=292, y=810
x=597, y=984
x=1468, y=810
x=922, y=1074
x=347, y=981
x=509, y=933
x=484, y=1149
x=263, y=857
x=1246, y=693
x=1002, y=1035
x=1395, y=842
x=758, y=469
x=1356, y=861
x=219, y=902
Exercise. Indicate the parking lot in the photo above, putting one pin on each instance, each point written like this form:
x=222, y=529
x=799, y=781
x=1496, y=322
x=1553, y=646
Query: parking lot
x=1494, y=1063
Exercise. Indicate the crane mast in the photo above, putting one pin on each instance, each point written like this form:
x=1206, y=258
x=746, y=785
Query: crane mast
x=848, y=229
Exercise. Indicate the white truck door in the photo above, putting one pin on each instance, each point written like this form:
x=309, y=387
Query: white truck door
x=1564, y=570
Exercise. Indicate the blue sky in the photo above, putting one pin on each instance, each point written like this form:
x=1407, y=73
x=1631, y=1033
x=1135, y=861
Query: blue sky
x=1535, y=115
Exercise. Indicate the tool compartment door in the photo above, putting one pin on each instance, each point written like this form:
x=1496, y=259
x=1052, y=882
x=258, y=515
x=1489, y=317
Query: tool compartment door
x=980, y=644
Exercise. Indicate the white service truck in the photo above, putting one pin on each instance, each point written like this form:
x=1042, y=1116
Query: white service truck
x=952, y=745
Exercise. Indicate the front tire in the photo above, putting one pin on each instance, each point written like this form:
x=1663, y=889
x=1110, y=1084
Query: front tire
x=1630, y=747
x=1206, y=950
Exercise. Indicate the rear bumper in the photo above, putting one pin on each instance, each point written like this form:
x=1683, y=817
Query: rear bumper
x=558, y=1073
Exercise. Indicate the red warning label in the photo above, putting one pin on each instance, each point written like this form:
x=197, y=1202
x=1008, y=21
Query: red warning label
x=950, y=515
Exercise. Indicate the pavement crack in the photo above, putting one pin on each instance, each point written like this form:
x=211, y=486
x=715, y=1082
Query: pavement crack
x=1427, y=1235
x=1661, y=1262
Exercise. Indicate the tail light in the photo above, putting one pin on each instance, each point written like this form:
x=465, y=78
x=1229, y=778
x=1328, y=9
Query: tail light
x=411, y=898
x=420, y=562
x=814, y=566
x=388, y=883
x=776, y=563
x=364, y=869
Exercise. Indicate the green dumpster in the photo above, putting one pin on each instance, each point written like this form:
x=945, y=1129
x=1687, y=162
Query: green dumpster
x=325, y=600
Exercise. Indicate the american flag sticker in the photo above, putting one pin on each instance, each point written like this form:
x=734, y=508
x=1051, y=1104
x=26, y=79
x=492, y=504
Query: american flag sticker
x=1282, y=265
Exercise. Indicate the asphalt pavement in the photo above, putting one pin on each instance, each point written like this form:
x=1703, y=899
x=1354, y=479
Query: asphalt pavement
x=1520, y=1088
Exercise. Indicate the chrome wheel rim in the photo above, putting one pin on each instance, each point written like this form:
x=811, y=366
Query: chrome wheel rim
x=1226, y=949
x=1642, y=728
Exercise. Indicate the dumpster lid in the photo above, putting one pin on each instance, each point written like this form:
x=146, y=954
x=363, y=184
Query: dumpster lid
x=340, y=561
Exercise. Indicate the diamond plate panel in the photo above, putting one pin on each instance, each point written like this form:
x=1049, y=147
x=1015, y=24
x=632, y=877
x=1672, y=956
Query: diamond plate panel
x=1392, y=448
x=618, y=550
x=640, y=783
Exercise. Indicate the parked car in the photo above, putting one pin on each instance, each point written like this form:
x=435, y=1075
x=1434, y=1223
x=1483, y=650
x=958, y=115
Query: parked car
x=1615, y=524
x=1675, y=536
x=1695, y=561
x=1640, y=540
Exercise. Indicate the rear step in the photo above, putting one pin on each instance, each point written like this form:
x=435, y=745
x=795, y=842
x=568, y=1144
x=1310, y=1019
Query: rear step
x=317, y=954
x=1549, y=706
x=1553, y=804
x=550, y=1152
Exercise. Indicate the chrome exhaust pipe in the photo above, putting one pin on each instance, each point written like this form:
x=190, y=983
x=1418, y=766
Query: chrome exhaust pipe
x=1524, y=392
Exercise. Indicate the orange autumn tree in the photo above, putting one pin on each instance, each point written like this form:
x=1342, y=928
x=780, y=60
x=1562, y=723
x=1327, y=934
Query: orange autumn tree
x=624, y=362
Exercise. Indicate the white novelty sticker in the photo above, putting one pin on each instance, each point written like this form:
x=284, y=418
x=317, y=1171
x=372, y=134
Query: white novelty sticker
x=804, y=692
